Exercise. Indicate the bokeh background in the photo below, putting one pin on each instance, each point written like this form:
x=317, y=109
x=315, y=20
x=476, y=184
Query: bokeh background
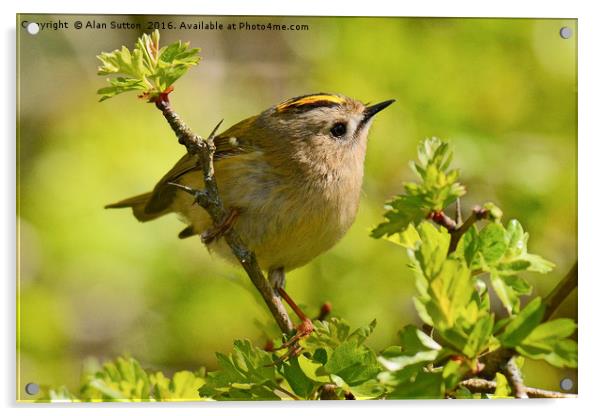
x=96, y=283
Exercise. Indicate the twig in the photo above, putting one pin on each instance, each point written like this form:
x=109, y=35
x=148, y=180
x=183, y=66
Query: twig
x=457, y=228
x=210, y=200
x=458, y=211
x=443, y=219
x=480, y=385
x=560, y=292
x=515, y=378
x=477, y=214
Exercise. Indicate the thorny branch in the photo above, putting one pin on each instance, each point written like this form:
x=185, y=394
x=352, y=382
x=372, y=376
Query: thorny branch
x=210, y=200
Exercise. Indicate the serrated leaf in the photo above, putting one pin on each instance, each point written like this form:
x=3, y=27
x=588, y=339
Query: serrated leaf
x=184, y=385
x=549, y=342
x=432, y=249
x=353, y=363
x=247, y=373
x=438, y=188
x=416, y=347
x=523, y=324
x=450, y=291
x=492, y=243
x=296, y=377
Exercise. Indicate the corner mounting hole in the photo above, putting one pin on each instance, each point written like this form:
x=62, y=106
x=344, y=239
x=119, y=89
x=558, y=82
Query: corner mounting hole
x=33, y=28
x=566, y=32
x=32, y=389
x=566, y=384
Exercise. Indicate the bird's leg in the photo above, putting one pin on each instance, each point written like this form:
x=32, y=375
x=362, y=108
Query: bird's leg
x=220, y=229
x=277, y=280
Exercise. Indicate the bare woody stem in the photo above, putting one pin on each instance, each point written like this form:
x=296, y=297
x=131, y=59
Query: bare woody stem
x=210, y=200
x=515, y=378
x=480, y=385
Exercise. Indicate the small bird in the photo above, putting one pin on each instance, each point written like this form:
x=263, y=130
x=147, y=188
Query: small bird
x=290, y=176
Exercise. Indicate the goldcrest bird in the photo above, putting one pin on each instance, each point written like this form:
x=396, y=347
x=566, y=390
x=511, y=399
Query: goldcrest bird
x=292, y=175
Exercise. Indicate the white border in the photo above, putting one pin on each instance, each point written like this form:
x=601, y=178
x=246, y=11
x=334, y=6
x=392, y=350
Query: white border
x=590, y=136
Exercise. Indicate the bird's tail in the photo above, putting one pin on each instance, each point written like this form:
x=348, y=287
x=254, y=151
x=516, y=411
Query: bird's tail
x=138, y=204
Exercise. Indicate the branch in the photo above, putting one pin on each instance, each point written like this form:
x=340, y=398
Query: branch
x=210, y=200
x=498, y=358
x=515, y=378
x=456, y=228
x=480, y=385
x=560, y=292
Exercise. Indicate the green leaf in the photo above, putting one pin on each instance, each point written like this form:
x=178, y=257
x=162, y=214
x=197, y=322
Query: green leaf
x=450, y=293
x=296, y=377
x=184, y=385
x=478, y=338
x=423, y=386
x=509, y=289
x=516, y=258
x=312, y=368
x=437, y=188
x=502, y=388
x=353, y=363
x=122, y=379
x=453, y=372
x=416, y=348
x=492, y=244
x=246, y=374
x=363, y=332
x=549, y=342
x=468, y=246
x=523, y=324
x=432, y=249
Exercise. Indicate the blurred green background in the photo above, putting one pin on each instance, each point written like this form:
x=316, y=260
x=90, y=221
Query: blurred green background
x=96, y=283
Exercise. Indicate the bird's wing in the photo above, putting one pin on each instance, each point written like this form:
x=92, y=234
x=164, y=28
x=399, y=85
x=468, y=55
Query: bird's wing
x=234, y=141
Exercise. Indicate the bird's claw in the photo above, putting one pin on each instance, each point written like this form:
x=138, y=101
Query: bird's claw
x=217, y=231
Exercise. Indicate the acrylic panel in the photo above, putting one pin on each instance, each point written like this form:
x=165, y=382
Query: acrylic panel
x=387, y=211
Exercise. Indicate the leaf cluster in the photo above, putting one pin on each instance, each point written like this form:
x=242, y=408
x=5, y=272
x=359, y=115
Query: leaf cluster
x=124, y=379
x=148, y=68
x=437, y=187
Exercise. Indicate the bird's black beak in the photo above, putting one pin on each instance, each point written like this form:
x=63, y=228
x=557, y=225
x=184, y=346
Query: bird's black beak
x=371, y=111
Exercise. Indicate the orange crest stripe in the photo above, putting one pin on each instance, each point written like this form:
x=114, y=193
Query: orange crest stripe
x=314, y=100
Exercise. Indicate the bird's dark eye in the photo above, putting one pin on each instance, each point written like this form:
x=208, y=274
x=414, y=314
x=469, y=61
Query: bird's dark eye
x=338, y=129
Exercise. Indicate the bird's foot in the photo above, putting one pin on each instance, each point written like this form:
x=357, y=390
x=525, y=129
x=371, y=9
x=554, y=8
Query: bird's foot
x=217, y=231
x=304, y=329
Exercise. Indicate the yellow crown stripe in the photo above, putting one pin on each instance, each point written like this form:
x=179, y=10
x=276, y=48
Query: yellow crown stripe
x=310, y=99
